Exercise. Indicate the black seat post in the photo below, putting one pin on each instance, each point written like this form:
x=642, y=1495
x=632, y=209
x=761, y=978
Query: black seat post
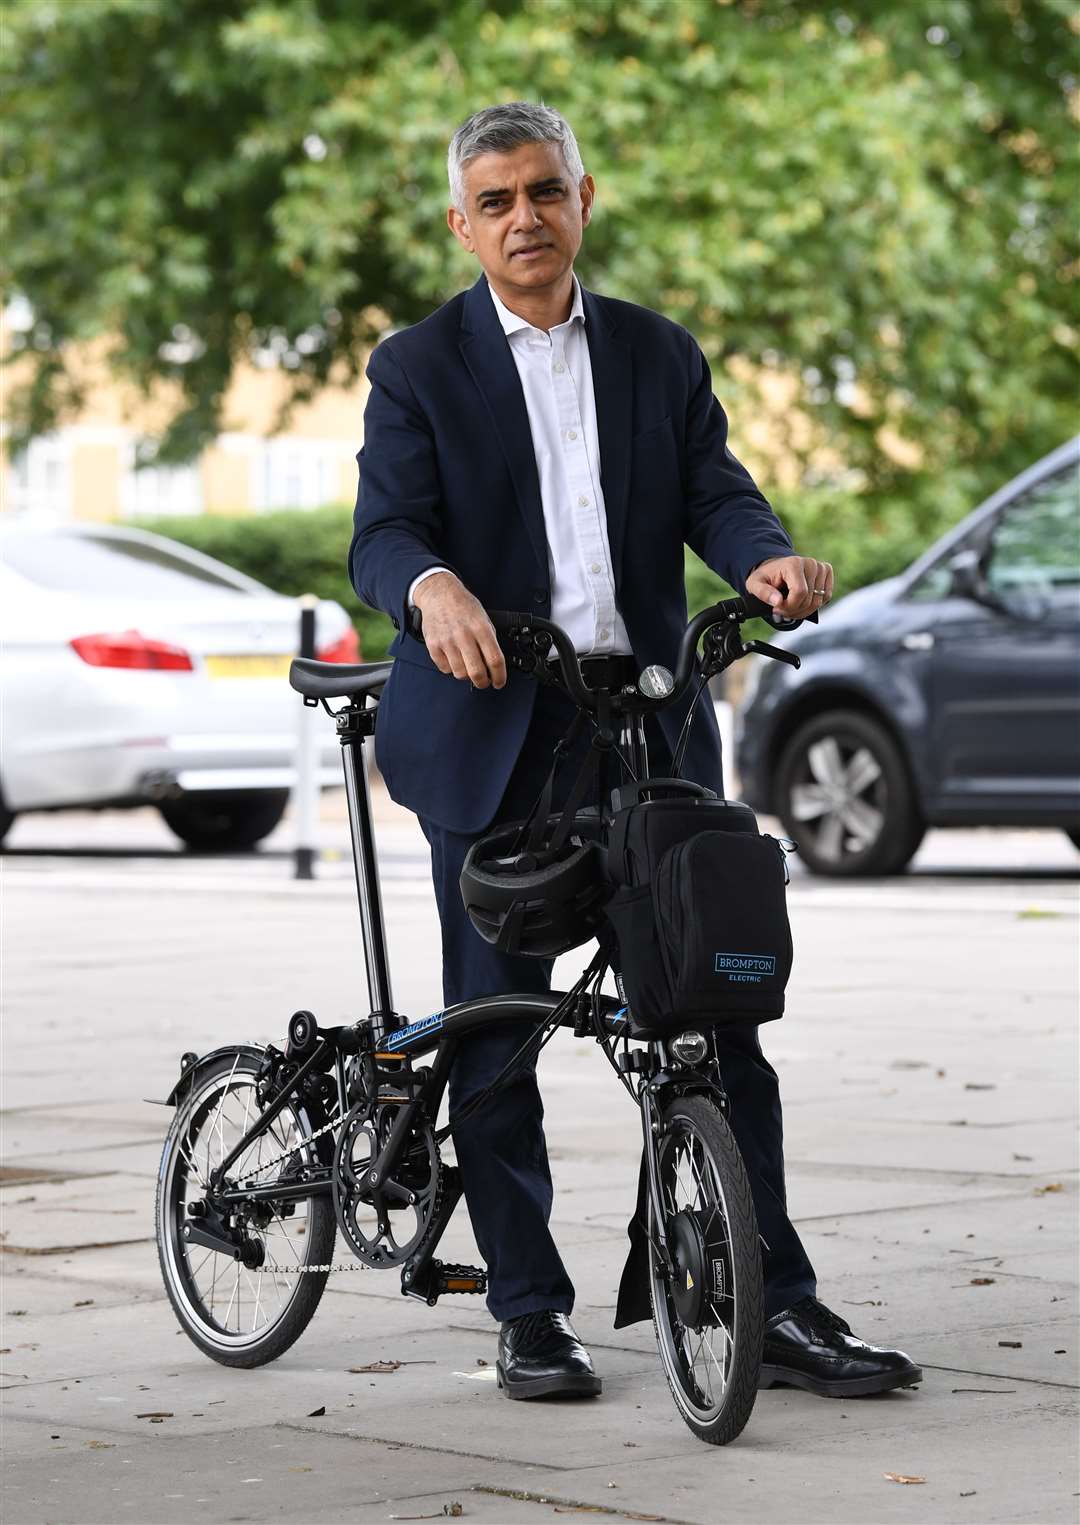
x=355, y=725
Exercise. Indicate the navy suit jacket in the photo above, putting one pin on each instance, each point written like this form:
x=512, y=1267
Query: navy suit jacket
x=448, y=478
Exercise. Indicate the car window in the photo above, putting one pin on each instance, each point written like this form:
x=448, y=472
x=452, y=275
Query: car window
x=1035, y=544
x=935, y=582
x=71, y=563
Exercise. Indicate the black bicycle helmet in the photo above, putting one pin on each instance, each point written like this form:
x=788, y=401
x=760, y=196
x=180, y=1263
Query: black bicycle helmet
x=540, y=902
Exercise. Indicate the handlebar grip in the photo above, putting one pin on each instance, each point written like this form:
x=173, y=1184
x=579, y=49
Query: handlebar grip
x=757, y=609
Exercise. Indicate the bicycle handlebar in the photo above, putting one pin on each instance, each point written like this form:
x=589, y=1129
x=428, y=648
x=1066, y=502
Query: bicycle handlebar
x=729, y=611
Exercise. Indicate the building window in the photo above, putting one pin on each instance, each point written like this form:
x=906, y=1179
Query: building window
x=291, y=473
x=39, y=480
x=148, y=491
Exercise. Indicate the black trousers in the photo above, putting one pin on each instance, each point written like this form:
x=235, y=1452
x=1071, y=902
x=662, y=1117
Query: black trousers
x=501, y=1149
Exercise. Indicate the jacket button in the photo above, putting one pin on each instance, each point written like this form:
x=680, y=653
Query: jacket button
x=539, y=595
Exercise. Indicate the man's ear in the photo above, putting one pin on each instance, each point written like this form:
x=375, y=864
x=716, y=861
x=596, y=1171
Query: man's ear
x=458, y=224
x=588, y=196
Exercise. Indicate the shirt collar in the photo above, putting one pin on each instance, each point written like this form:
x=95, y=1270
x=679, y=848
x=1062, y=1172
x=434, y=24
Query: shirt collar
x=513, y=324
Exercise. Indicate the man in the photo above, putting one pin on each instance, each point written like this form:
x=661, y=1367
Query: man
x=531, y=445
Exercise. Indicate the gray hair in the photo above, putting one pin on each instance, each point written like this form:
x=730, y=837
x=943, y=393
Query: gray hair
x=499, y=130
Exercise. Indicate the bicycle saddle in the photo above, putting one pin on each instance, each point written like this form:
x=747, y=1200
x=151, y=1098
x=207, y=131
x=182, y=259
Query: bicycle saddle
x=337, y=680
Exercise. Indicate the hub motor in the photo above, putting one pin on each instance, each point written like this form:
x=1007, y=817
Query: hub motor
x=702, y=1273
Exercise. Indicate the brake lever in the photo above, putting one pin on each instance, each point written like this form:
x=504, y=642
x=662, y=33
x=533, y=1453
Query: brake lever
x=764, y=649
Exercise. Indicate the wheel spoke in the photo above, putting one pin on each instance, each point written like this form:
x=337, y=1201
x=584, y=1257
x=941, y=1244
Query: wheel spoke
x=809, y=802
x=830, y=839
x=864, y=821
x=825, y=762
x=862, y=771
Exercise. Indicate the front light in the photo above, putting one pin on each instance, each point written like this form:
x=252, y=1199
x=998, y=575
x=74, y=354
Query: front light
x=688, y=1047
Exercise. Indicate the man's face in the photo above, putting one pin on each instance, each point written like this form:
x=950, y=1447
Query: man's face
x=523, y=218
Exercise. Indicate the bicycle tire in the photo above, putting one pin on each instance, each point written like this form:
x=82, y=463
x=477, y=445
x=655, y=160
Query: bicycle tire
x=230, y=1072
x=731, y=1276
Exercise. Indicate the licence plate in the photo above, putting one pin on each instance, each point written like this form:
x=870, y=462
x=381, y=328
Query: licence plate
x=249, y=665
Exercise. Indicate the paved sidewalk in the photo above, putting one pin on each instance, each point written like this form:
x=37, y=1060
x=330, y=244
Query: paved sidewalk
x=929, y=1066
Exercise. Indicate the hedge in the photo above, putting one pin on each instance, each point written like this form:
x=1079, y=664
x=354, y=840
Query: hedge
x=304, y=550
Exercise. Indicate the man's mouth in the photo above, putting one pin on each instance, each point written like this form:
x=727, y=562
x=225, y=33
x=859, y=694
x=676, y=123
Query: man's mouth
x=529, y=249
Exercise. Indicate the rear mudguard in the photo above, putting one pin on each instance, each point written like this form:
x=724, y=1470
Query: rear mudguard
x=315, y=1115
x=187, y=1076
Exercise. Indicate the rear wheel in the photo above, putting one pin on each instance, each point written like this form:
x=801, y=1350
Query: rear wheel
x=219, y=820
x=844, y=794
x=708, y=1311
x=242, y=1313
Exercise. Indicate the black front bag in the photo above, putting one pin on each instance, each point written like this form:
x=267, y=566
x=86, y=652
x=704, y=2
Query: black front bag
x=699, y=911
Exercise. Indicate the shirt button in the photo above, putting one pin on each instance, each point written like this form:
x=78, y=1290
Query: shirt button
x=571, y=434
x=558, y=367
x=583, y=501
x=595, y=567
x=603, y=635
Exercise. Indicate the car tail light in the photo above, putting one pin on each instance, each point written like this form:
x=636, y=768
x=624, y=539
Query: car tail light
x=130, y=649
x=347, y=649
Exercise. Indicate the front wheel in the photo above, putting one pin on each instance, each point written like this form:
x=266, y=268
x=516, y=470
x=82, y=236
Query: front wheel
x=242, y=1312
x=708, y=1306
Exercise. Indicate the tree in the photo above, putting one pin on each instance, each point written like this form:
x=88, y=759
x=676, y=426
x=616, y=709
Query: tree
x=873, y=197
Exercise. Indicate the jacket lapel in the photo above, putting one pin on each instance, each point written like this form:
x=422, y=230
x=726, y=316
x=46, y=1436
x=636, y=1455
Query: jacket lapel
x=486, y=352
x=613, y=388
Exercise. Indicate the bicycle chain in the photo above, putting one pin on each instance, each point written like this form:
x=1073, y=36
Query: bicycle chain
x=307, y=1139
x=276, y=1270
x=347, y=1265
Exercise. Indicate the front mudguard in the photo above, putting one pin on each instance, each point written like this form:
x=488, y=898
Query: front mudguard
x=634, y=1304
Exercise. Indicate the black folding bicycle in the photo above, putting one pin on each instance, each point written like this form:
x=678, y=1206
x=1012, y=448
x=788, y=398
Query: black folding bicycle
x=273, y=1150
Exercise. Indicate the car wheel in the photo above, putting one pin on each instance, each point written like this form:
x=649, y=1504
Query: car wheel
x=843, y=793
x=1073, y=834
x=215, y=822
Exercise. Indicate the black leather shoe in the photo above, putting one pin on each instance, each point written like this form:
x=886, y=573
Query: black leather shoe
x=810, y=1346
x=540, y=1356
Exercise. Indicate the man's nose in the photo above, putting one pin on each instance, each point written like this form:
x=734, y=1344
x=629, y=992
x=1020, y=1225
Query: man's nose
x=526, y=217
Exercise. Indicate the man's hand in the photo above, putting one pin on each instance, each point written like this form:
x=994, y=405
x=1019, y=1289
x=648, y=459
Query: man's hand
x=459, y=636
x=794, y=585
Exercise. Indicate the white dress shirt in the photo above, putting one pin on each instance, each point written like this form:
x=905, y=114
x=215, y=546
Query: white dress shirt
x=556, y=378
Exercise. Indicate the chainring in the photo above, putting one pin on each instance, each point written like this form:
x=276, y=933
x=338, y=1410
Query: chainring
x=385, y=1227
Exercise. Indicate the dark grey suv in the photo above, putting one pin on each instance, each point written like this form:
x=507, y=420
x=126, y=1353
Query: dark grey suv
x=947, y=696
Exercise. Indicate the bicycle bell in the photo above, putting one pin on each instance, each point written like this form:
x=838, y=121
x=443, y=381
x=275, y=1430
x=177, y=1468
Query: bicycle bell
x=656, y=682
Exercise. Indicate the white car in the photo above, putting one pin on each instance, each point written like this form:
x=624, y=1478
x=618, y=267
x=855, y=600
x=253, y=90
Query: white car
x=137, y=671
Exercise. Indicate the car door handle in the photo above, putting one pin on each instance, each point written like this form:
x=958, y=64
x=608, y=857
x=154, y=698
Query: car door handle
x=918, y=640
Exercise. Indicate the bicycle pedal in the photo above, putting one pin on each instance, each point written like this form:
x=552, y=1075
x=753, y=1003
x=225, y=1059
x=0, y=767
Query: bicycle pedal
x=459, y=1278
x=435, y=1279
